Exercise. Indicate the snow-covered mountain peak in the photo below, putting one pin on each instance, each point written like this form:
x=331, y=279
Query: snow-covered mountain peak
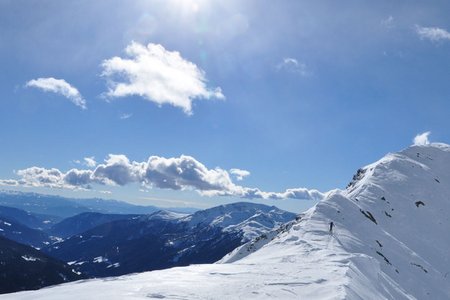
x=164, y=215
x=389, y=240
x=390, y=230
x=233, y=213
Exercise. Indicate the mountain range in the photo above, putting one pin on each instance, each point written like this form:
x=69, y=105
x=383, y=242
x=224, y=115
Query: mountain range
x=62, y=207
x=384, y=237
x=93, y=244
x=162, y=239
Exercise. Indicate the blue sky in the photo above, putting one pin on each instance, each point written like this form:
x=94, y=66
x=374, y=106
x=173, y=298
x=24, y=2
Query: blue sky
x=309, y=92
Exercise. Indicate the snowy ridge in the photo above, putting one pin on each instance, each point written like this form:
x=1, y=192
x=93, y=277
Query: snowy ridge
x=164, y=215
x=256, y=243
x=249, y=218
x=390, y=241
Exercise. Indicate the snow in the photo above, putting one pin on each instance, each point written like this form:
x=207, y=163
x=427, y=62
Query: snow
x=250, y=219
x=99, y=259
x=384, y=245
x=165, y=215
x=56, y=239
x=29, y=258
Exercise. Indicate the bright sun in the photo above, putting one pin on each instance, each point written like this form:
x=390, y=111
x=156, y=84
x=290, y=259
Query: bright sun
x=188, y=6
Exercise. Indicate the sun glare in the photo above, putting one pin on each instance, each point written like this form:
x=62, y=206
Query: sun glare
x=187, y=6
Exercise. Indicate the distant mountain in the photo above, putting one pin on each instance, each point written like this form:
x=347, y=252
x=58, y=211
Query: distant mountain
x=249, y=218
x=83, y=222
x=13, y=230
x=165, y=239
x=35, y=221
x=181, y=210
x=68, y=207
x=25, y=268
x=386, y=236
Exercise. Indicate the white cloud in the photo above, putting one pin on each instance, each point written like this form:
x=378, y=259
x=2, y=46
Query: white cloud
x=422, y=139
x=434, y=34
x=9, y=182
x=292, y=65
x=75, y=178
x=118, y=170
x=239, y=174
x=176, y=173
x=90, y=162
x=87, y=161
x=36, y=176
x=58, y=86
x=295, y=193
x=388, y=22
x=158, y=75
x=125, y=116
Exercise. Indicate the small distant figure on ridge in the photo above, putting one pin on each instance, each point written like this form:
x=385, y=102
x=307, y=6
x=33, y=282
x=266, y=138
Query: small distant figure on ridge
x=331, y=226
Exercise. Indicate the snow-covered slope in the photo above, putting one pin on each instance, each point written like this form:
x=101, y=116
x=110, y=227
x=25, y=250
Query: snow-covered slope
x=164, y=215
x=390, y=241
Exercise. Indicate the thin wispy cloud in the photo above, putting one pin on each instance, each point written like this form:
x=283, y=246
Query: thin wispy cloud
x=292, y=65
x=434, y=34
x=175, y=173
x=388, y=22
x=58, y=86
x=239, y=174
x=159, y=76
x=422, y=138
x=125, y=116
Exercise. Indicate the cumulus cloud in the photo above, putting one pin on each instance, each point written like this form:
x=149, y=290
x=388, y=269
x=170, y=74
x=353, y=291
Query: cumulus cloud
x=422, y=139
x=158, y=75
x=239, y=174
x=292, y=65
x=75, y=178
x=176, y=173
x=37, y=176
x=434, y=34
x=9, y=182
x=118, y=170
x=58, y=86
x=296, y=193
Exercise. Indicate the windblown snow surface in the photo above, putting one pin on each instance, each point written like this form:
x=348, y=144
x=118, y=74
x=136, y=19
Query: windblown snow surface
x=390, y=241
